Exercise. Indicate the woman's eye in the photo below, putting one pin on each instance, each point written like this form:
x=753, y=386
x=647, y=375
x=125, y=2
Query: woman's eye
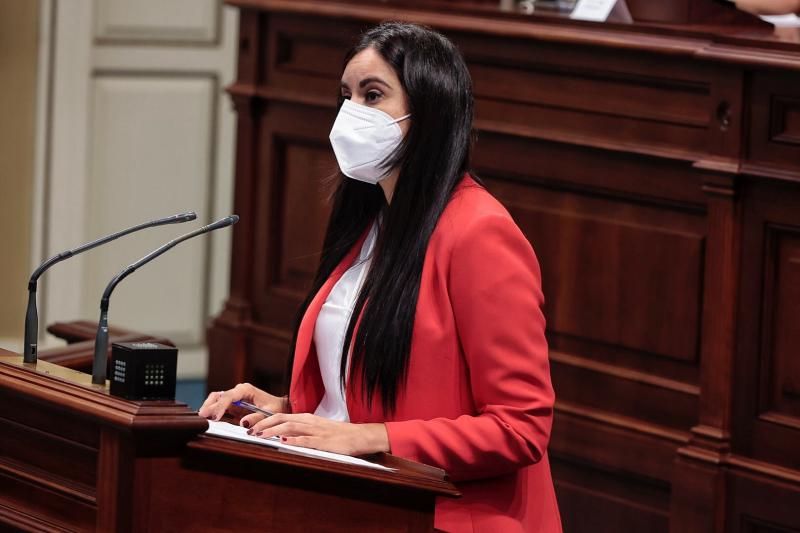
x=372, y=96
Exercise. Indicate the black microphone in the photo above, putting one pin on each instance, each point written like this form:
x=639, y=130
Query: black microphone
x=101, y=340
x=32, y=315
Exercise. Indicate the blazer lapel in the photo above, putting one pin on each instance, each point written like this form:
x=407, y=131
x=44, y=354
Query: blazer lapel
x=306, y=388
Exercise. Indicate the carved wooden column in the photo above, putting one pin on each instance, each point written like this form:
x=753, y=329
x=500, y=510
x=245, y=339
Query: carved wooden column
x=698, y=502
x=699, y=487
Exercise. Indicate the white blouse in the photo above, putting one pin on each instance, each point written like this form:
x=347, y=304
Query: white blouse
x=331, y=326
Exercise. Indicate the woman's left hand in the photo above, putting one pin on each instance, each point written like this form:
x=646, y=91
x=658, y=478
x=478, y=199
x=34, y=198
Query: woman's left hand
x=311, y=431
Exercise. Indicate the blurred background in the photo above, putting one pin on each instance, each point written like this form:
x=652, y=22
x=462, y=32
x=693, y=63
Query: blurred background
x=114, y=113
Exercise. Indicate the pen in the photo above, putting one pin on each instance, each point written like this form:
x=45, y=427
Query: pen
x=251, y=407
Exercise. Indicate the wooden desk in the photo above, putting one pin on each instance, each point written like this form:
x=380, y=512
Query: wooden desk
x=74, y=458
x=656, y=170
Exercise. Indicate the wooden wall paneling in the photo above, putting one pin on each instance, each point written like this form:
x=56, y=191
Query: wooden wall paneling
x=624, y=238
x=611, y=473
x=621, y=445
x=751, y=316
x=775, y=120
x=759, y=504
x=697, y=502
x=587, y=204
x=589, y=97
x=635, y=403
x=780, y=373
x=308, y=53
x=720, y=304
x=550, y=55
x=599, y=172
x=226, y=336
x=625, y=503
x=592, y=243
x=768, y=348
x=292, y=216
x=615, y=270
x=295, y=160
x=269, y=349
x=285, y=69
x=616, y=392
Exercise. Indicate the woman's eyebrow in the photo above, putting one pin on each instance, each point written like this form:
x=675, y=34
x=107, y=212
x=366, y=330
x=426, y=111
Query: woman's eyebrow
x=375, y=79
x=366, y=81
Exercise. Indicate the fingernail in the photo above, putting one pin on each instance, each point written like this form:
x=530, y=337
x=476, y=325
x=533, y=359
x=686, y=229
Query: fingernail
x=249, y=431
x=245, y=423
x=259, y=433
x=283, y=439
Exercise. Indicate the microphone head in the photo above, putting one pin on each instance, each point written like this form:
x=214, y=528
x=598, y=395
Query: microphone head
x=184, y=217
x=229, y=220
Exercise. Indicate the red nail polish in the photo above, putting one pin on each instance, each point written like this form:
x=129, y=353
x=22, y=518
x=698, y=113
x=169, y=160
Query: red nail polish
x=249, y=431
x=245, y=424
x=259, y=433
x=283, y=439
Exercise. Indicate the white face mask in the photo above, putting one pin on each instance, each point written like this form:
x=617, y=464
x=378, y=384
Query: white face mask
x=362, y=137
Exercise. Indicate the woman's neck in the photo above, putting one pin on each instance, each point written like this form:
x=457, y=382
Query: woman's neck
x=388, y=183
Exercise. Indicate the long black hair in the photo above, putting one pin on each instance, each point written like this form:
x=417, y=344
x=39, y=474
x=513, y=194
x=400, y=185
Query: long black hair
x=432, y=159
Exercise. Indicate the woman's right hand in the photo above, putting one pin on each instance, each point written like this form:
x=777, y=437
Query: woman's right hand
x=218, y=403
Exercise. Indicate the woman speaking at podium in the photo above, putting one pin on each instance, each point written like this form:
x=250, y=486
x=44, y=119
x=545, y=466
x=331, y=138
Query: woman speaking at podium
x=423, y=333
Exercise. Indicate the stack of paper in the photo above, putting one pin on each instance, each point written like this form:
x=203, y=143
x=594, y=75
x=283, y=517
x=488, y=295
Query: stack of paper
x=230, y=431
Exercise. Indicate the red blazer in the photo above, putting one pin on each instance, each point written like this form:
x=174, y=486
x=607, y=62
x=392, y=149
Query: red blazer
x=478, y=401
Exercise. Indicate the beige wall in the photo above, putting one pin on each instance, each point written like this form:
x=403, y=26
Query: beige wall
x=18, y=63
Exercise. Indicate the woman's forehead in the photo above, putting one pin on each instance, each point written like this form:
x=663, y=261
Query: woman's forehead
x=367, y=63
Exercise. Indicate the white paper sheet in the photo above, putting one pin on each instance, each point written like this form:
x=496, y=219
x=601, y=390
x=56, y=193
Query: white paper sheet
x=783, y=21
x=593, y=10
x=230, y=431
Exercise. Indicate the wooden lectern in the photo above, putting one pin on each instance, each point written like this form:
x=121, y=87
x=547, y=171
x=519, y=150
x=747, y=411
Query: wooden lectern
x=73, y=457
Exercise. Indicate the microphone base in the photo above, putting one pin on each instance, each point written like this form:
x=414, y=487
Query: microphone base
x=143, y=371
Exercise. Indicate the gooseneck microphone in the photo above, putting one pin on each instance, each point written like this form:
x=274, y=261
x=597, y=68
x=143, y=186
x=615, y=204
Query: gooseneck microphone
x=32, y=315
x=101, y=340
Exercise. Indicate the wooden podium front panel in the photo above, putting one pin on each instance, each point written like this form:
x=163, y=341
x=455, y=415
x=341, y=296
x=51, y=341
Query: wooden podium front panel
x=48, y=465
x=74, y=458
x=230, y=495
x=223, y=485
x=68, y=447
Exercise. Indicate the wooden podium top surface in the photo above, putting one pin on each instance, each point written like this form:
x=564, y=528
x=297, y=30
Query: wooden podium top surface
x=67, y=390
